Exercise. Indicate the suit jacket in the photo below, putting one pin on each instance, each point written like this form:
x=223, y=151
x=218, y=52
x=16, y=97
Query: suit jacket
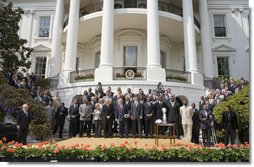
x=128, y=106
x=206, y=120
x=232, y=120
x=107, y=111
x=186, y=113
x=23, y=120
x=173, y=113
x=148, y=109
x=201, y=104
x=157, y=109
x=85, y=113
x=74, y=111
x=136, y=111
x=119, y=114
x=195, y=119
x=61, y=113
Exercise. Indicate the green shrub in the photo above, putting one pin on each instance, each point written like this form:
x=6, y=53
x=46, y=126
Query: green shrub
x=240, y=105
x=15, y=98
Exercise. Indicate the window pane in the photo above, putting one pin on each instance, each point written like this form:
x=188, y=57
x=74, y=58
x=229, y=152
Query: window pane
x=130, y=56
x=44, y=26
x=219, y=25
x=163, y=59
x=40, y=66
x=97, y=59
x=223, y=66
x=77, y=63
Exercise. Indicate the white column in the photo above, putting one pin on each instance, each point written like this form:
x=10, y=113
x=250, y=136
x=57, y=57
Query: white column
x=190, y=43
x=208, y=66
x=105, y=70
x=56, y=52
x=154, y=70
x=72, y=37
x=251, y=35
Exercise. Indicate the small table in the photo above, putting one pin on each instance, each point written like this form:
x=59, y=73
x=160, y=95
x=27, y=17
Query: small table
x=157, y=135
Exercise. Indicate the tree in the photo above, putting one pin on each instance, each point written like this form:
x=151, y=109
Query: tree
x=13, y=52
x=240, y=105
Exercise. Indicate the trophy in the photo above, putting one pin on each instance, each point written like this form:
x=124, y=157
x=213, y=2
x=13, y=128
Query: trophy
x=164, y=117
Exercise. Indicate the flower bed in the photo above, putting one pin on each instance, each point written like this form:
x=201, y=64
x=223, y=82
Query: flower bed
x=50, y=151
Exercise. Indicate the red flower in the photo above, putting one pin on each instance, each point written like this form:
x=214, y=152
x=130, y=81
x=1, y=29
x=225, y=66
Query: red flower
x=56, y=151
x=87, y=145
x=235, y=146
x=146, y=145
x=163, y=148
x=126, y=142
x=122, y=145
x=135, y=142
x=2, y=148
x=154, y=147
x=18, y=145
x=1, y=142
x=11, y=150
x=112, y=145
x=84, y=148
x=103, y=148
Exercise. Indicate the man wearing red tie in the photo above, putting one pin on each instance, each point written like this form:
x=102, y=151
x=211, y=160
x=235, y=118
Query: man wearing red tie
x=23, y=121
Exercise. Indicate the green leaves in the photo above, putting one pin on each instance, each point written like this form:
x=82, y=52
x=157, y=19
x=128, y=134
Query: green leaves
x=13, y=53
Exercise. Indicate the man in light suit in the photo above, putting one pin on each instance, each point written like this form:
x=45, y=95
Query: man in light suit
x=186, y=113
x=136, y=114
x=85, y=112
x=23, y=121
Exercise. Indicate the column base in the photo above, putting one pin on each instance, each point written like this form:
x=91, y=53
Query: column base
x=103, y=74
x=197, y=78
x=156, y=74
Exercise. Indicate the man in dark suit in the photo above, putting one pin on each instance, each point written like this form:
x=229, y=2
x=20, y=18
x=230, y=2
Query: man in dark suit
x=158, y=111
x=90, y=94
x=107, y=115
x=23, y=121
x=201, y=103
x=206, y=121
x=136, y=116
x=74, y=118
x=196, y=124
x=173, y=114
x=229, y=125
x=149, y=116
x=61, y=113
x=120, y=115
x=127, y=103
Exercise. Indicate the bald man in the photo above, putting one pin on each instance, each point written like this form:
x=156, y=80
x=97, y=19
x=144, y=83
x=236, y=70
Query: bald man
x=23, y=121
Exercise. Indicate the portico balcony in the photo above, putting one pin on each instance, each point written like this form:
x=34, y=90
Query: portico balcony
x=130, y=73
x=163, y=6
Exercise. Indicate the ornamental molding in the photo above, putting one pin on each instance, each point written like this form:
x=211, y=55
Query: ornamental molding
x=223, y=48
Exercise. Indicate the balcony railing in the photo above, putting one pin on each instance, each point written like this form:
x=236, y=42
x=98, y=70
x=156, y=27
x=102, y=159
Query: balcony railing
x=178, y=76
x=82, y=75
x=163, y=6
x=129, y=73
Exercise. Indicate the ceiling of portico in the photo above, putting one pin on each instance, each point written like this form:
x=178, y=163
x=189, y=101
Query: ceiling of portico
x=170, y=27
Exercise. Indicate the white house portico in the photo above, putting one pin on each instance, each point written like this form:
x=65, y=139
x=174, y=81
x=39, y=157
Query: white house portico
x=139, y=43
